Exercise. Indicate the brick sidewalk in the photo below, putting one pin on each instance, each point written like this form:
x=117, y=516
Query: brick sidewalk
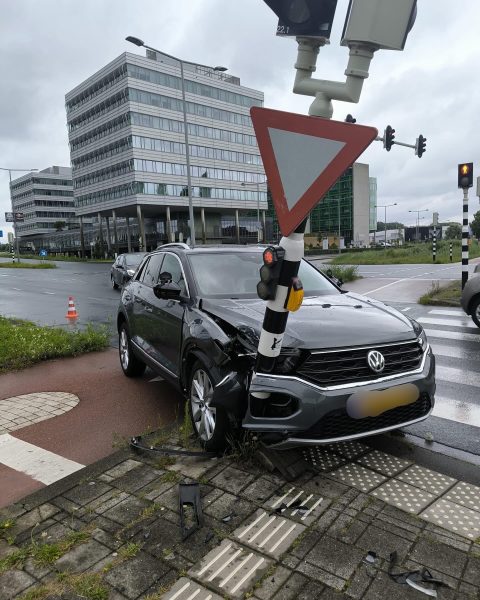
x=112, y=531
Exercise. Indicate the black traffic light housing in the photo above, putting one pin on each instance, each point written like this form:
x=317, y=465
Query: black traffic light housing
x=270, y=272
x=420, y=146
x=388, y=138
x=465, y=175
x=307, y=18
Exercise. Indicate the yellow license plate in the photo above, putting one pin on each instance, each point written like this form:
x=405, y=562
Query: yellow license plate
x=374, y=403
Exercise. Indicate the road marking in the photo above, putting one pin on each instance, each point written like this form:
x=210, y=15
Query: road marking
x=447, y=322
x=16, y=289
x=453, y=352
x=453, y=375
x=452, y=335
x=448, y=312
x=49, y=293
x=456, y=410
x=406, y=309
x=385, y=286
x=40, y=464
x=99, y=299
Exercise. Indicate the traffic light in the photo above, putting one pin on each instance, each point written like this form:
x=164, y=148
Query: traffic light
x=270, y=272
x=420, y=146
x=465, y=175
x=308, y=18
x=388, y=138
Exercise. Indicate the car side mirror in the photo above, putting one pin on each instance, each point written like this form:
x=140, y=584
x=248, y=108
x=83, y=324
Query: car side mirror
x=167, y=291
x=340, y=282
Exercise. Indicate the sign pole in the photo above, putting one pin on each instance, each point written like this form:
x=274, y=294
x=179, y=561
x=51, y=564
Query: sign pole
x=451, y=251
x=465, y=238
x=434, y=245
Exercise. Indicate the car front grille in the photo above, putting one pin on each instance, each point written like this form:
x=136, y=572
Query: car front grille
x=337, y=424
x=339, y=367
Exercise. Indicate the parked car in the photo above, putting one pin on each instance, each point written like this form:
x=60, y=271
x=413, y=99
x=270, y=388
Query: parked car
x=124, y=268
x=350, y=366
x=471, y=296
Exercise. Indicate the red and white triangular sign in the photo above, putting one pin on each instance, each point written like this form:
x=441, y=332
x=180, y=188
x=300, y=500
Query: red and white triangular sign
x=303, y=157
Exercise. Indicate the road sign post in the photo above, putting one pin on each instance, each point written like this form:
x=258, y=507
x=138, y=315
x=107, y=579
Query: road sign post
x=451, y=252
x=434, y=245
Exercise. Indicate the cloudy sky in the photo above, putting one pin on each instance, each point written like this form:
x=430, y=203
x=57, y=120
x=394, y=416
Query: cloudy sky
x=47, y=47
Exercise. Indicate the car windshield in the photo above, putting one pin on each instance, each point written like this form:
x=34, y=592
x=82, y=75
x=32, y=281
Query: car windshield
x=133, y=260
x=235, y=275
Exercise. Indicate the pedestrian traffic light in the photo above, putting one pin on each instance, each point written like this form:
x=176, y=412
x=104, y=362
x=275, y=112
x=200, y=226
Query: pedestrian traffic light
x=270, y=272
x=389, y=136
x=465, y=175
x=420, y=146
x=308, y=18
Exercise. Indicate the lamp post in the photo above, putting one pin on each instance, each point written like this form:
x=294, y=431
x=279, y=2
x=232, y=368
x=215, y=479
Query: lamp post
x=139, y=42
x=257, y=184
x=10, y=171
x=385, y=206
x=418, y=219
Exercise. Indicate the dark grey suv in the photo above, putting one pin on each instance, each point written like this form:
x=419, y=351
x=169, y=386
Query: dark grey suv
x=350, y=366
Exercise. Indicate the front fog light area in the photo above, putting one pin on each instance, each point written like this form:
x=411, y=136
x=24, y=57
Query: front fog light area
x=276, y=406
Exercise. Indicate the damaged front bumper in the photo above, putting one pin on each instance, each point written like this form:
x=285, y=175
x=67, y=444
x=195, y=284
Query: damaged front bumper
x=319, y=414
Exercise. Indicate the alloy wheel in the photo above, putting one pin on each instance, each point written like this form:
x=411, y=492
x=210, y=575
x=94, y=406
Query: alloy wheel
x=204, y=415
x=124, y=349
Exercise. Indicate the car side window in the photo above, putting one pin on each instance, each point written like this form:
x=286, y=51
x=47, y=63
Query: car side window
x=151, y=271
x=172, y=271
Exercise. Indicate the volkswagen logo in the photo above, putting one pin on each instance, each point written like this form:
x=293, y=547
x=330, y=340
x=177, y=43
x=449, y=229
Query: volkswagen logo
x=376, y=361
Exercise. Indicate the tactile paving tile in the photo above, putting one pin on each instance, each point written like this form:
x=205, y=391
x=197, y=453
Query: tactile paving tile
x=268, y=533
x=465, y=494
x=294, y=503
x=386, y=464
x=231, y=569
x=425, y=479
x=322, y=459
x=404, y=496
x=359, y=477
x=186, y=589
x=456, y=518
x=350, y=450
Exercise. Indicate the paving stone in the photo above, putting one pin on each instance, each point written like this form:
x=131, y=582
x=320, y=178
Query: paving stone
x=136, y=479
x=404, y=496
x=270, y=585
x=292, y=587
x=425, y=479
x=465, y=494
x=319, y=575
x=13, y=583
x=133, y=577
x=383, y=587
x=358, y=476
x=55, y=533
x=455, y=518
x=335, y=556
x=312, y=591
x=126, y=511
x=322, y=459
x=440, y=557
x=384, y=463
x=260, y=490
x=350, y=450
x=107, y=501
x=270, y=534
x=469, y=590
x=472, y=572
x=65, y=504
x=122, y=468
x=232, y=480
x=86, y=492
x=83, y=556
x=394, y=515
x=231, y=569
x=186, y=589
x=156, y=488
x=290, y=561
x=359, y=583
x=297, y=504
x=325, y=487
x=35, y=570
x=451, y=583
x=30, y=519
x=325, y=521
x=228, y=505
x=333, y=595
x=192, y=466
x=383, y=545
x=347, y=529
x=388, y=527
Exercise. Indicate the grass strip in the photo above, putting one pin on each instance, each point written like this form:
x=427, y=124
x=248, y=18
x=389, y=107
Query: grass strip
x=60, y=258
x=20, y=265
x=438, y=295
x=346, y=274
x=25, y=343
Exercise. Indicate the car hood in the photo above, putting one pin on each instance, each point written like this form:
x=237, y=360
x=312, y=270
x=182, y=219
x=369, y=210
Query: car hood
x=327, y=321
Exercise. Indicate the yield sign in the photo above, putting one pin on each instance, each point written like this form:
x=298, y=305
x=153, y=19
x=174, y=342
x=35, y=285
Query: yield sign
x=303, y=157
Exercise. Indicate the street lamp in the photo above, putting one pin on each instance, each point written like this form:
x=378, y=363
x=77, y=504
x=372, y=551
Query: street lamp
x=257, y=184
x=418, y=219
x=139, y=42
x=10, y=171
x=385, y=206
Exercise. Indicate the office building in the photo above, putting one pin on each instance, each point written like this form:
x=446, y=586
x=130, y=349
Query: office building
x=128, y=152
x=46, y=200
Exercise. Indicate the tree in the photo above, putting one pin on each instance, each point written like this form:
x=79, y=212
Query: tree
x=390, y=226
x=475, y=224
x=59, y=225
x=454, y=232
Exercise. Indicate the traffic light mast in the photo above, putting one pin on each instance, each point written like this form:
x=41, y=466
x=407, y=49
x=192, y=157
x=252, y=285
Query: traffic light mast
x=465, y=181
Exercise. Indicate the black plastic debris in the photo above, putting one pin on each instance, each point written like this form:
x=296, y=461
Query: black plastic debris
x=191, y=515
x=420, y=579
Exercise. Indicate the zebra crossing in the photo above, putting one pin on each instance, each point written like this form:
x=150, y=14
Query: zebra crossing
x=455, y=341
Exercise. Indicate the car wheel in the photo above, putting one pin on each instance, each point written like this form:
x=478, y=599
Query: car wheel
x=114, y=285
x=210, y=423
x=131, y=365
x=475, y=311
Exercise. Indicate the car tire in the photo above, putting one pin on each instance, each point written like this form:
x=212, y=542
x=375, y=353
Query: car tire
x=131, y=365
x=210, y=424
x=114, y=285
x=475, y=310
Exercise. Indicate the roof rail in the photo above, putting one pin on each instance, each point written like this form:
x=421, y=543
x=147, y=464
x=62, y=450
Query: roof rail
x=178, y=244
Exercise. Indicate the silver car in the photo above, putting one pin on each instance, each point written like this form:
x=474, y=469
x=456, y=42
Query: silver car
x=471, y=296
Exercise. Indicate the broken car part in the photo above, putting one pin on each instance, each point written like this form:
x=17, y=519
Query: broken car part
x=190, y=508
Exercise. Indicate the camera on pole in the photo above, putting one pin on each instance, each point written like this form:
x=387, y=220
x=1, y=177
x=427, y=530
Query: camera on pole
x=420, y=146
x=465, y=175
x=270, y=272
x=306, y=18
x=388, y=138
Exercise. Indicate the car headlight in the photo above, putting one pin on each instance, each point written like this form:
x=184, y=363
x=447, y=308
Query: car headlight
x=422, y=340
x=131, y=272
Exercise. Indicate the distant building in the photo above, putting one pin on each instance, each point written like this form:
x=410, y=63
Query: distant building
x=46, y=200
x=128, y=154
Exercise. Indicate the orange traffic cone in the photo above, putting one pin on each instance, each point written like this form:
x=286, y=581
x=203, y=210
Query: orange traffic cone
x=72, y=311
